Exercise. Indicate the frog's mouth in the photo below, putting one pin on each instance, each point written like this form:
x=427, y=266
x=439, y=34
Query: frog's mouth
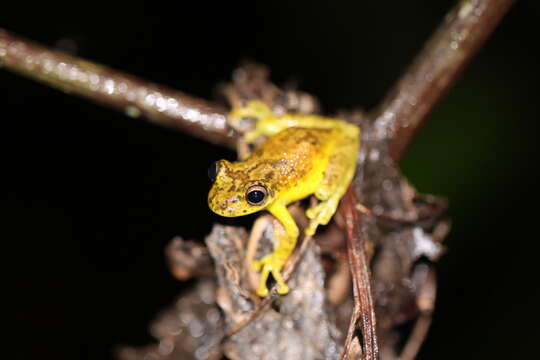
x=226, y=206
x=230, y=207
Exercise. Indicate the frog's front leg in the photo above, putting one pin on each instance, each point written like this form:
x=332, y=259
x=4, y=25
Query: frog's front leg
x=274, y=262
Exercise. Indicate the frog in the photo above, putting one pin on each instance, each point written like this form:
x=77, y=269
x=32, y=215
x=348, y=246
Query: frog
x=303, y=155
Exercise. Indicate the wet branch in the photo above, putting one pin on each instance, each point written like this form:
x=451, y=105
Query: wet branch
x=106, y=86
x=398, y=117
x=434, y=70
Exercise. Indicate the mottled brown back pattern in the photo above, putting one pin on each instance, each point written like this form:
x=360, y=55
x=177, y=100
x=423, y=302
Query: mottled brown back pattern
x=285, y=154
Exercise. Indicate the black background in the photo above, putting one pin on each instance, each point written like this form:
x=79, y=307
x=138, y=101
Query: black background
x=92, y=196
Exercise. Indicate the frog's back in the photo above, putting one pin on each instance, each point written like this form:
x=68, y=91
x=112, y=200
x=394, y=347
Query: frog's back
x=293, y=159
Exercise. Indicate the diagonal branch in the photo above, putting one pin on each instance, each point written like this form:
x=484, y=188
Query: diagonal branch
x=435, y=69
x=136, y=97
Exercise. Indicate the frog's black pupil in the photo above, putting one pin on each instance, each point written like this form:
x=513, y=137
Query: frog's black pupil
x=255, y=196
x=212, y=171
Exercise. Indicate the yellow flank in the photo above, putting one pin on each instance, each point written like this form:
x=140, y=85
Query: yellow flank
x=304, y=155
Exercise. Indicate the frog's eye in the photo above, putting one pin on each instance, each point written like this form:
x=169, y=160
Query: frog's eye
x=256, y=194
x=213, y=171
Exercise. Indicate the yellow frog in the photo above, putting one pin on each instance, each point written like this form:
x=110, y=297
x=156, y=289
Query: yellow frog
x=304, y=155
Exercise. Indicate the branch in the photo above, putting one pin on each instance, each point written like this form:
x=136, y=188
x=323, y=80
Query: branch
x=363, y=316
x=135, y=97
x=397, y=119
x=408, y=104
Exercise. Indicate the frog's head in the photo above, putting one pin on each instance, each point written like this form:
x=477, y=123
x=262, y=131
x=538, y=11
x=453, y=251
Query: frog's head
x=233, y=193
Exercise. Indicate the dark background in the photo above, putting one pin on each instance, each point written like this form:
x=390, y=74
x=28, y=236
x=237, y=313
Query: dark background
x=92, y=196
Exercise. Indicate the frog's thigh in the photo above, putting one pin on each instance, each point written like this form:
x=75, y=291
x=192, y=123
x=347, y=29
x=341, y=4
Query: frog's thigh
x=340, y=168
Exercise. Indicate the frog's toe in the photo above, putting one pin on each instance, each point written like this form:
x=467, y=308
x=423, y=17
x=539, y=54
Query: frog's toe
x=270, y=264
x=324, y=212
x=263, y=291
x=283, y=289
x=251, y=136
x=319, y=216
x=324, y=217
x=257, y=265
x=312, y=227
x=314, y=212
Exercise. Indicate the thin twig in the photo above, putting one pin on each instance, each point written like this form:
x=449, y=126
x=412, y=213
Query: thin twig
x=98, y=83
x=426, y=279
x=435, y=69
x=363, y=316
x=417, y=337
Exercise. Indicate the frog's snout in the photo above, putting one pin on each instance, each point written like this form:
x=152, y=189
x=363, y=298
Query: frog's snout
x=224, y=206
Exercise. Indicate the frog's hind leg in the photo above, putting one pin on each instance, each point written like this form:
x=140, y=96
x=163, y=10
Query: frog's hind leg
x=336, y=180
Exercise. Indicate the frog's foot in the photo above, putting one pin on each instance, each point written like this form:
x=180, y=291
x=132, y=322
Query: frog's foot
x=251, y=136
x=246, y=118
x=320, y=215
x=270, y=264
